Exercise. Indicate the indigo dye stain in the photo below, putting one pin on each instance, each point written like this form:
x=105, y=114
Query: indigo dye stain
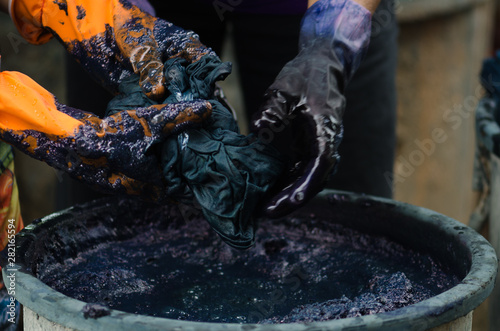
x=181, y=270
x=81, y=13
x=107, y=65
x=92, y=310
x=98, y=147
x=63, y=5
x=175, y=42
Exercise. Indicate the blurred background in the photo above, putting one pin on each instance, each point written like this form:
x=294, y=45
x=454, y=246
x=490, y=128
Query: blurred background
x=441, y=48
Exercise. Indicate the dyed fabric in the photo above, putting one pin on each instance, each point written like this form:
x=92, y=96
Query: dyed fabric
x=9, y=196
x=490, y=75
x=223, y=172
x=487, y=114
x=10, y=222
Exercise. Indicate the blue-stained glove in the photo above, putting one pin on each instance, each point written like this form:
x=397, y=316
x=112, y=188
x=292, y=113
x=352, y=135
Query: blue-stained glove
x=111, y=39
x=302, y=110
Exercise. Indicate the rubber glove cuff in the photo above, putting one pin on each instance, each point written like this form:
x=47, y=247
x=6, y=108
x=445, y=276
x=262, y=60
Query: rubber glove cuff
x=341, y=25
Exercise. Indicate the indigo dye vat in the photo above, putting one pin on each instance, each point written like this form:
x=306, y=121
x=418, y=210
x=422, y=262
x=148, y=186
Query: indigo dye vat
x=342, y=262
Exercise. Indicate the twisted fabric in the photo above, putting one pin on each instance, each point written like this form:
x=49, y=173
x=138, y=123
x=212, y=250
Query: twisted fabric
x=224, y=173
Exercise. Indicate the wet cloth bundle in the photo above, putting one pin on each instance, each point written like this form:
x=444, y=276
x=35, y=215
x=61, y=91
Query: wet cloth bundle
x=224, y=172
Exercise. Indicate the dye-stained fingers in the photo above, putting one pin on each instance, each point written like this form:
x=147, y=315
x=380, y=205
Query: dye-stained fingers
x=118, y=183
x=147, y=62
x=112, y=153
x=120, y=143
x=154, y=122
x=109, y=153
x=175, y=118
x=135, y=38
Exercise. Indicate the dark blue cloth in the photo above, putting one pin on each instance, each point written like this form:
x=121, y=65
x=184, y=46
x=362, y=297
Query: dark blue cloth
x=225, y=173
x=487, y=112
x=490, y=79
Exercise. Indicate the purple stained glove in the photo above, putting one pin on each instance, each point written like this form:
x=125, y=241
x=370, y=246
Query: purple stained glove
x=302, y=110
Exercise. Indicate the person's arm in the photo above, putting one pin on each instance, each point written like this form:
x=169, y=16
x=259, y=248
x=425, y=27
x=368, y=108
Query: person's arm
x=371, y=5
x=109, y=154
x=304, y=106
x=111, y=39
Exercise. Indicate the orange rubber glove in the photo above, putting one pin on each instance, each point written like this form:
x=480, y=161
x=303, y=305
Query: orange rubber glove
x=110, y=154
x=110, y=38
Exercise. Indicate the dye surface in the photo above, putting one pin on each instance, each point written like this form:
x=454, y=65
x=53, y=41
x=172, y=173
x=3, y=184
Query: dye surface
x=181, y=270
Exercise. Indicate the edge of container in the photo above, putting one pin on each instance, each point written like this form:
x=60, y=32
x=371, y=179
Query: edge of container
x=440, y=309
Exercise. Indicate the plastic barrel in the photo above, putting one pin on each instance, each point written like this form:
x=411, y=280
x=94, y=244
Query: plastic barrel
x=420, y=229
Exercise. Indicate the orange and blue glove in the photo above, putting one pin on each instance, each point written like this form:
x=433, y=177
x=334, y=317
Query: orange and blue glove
x=111, y=39
x=110, y=154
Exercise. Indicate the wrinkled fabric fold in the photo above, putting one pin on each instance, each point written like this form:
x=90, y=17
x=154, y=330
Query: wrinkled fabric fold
x=224, y=173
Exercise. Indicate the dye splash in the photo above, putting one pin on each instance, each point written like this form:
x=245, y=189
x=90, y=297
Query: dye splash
x=295, y=273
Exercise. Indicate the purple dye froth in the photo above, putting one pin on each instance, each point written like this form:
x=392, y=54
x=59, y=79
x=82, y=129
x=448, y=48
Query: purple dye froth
x=170, y=267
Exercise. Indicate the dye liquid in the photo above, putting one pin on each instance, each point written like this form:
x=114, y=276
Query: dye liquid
x=293, y=274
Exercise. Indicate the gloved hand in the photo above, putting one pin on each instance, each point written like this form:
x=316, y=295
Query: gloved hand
x=109, y=38
x=110, y=154
x=302, y=110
